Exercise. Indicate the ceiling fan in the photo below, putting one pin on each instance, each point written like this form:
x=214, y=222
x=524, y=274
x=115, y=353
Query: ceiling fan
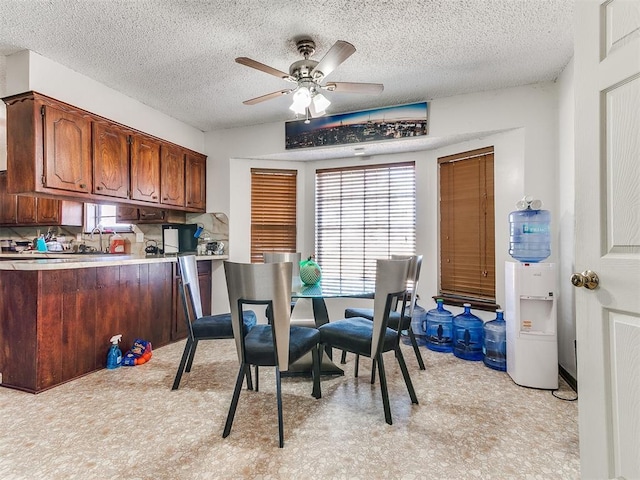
x=308, y=75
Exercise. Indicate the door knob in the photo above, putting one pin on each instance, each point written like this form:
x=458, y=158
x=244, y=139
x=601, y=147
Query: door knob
x=586, y=279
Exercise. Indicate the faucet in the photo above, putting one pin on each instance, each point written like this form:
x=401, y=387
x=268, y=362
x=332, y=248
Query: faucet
x=99, y=230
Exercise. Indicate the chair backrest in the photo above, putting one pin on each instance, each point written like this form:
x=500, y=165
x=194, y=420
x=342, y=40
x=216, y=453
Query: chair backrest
x=278, y=257
x=412, y=279
x=190, y=286
x=391, y=279
x=268, y=283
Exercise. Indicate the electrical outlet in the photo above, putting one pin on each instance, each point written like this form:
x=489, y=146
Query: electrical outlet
x=139, y=237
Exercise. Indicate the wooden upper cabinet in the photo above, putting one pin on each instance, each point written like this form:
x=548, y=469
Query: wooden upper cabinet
x=8, y=202
x=67, y=150
x=110, y=160
x=172, y=175
x=195, y=181
x=60, y=151
x=145, y=169
x=27, y=210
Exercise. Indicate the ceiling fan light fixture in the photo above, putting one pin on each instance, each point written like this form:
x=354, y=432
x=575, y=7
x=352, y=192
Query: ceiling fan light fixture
x=301, y=99
x=320, y=103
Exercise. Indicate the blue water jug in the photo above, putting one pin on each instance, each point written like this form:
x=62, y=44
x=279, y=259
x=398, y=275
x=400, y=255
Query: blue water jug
x=468, y=335
x=530, y=236
x=417, y=320
x=439, y=328
x=495, y=343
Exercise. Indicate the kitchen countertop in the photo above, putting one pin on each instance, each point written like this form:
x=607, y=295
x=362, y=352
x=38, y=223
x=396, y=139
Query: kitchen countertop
x=63, y=261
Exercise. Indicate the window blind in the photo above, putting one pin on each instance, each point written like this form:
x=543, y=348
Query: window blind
x=363, y=214
x=467, y=226
x=273, y=212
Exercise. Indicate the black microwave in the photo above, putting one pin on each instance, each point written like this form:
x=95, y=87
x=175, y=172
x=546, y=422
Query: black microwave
x=179, y=238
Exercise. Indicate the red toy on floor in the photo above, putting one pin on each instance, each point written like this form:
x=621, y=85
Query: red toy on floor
x=140, y=353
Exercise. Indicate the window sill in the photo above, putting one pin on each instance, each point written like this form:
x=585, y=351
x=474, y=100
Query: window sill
x=476, y=303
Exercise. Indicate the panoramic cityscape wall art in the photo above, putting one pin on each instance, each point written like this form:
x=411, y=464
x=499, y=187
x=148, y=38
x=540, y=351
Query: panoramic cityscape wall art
x=387, y=123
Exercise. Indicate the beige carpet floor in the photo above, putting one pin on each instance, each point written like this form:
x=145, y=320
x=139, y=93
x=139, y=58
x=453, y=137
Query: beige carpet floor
x=472, y=423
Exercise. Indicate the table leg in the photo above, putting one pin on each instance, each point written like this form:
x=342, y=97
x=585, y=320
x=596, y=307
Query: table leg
x=303, y=365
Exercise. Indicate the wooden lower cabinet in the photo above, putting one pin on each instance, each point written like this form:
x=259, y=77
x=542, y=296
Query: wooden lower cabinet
x=55, y=325
x=179, y=329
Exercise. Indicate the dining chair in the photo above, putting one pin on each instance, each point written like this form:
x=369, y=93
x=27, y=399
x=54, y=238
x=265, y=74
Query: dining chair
x=277, y=344
x=362, y=336
x=395, y=316
x=199, y=326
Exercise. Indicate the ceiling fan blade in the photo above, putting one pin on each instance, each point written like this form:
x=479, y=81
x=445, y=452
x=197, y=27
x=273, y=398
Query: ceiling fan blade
x=263, y=68
x=268, y=96
x=351, y=87
x=337, y=54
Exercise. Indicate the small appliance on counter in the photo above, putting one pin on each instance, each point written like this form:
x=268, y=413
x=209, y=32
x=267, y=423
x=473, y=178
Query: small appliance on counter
x=179, y=238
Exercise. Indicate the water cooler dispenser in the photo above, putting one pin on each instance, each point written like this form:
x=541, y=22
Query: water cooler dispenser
x=530, y=313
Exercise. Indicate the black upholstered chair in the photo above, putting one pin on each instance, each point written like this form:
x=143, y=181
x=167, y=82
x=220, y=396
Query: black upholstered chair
x=395, y=316
x=199, y=326
x=277, y=344
x=374, y=338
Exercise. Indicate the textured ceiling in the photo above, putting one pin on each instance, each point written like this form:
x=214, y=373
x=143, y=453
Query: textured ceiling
x=178, y=56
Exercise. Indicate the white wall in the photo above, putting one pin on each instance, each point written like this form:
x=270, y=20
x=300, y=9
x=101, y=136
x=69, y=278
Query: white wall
x=526, y=158
x=566, y=219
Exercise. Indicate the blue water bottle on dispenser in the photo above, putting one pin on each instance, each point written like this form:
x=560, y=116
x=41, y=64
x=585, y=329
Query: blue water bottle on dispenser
x=529, y=231
x=495, y=343
x=468, y=335
x=439, y=328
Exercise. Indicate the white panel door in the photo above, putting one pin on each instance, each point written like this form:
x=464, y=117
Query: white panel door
x=607, y=148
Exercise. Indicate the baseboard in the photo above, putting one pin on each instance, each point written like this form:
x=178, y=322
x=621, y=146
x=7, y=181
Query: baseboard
x=567, y=377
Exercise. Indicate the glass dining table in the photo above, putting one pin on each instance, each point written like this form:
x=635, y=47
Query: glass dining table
x=318, y=293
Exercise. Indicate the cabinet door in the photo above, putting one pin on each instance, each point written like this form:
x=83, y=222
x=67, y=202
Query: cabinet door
x=48, y=211
x=67, y=150
x=8, y=203
x=145, y=169
x=195, y=184
x=151, y=215
x=172, y=175
x=110, y=160
x=26, y=210
x=126, y=214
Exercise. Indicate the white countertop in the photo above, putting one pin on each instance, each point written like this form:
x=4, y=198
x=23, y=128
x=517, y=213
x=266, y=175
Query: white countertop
x=63, y=261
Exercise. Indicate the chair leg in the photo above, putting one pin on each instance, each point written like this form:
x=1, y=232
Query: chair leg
x=414, y=343
x=183, y=361
x=280, y=419
x=192, y=354
x=234, y=400
x=257, y=379
x=405, y=374
x=357, y=364
x=343, y=358
x=373, y=371
x=249, y=381
x=383, y=389
x=317, y=392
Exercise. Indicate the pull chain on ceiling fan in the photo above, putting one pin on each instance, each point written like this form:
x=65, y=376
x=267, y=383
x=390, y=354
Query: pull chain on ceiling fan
x=308, y=75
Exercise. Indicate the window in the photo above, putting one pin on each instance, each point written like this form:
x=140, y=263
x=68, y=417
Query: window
x=467, y=244
x=273, y=212
x=104, y=217
x=363, y=214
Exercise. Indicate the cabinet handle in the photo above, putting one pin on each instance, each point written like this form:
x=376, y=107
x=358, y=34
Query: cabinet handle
x=154, y=197
x=83, y=185
x=98, y=188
